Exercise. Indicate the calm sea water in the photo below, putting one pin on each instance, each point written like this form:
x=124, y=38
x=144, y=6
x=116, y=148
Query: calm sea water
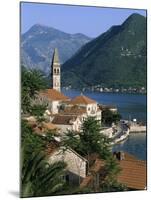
x=135, y=144
x=130, y=106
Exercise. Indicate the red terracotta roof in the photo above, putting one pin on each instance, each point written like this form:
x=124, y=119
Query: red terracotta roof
x=133, y=173
x=64, y=119
x=74, y=110
x=82, y=100
x=53, y=94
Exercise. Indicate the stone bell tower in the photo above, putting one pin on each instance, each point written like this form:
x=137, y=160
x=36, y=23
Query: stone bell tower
x=55, y=71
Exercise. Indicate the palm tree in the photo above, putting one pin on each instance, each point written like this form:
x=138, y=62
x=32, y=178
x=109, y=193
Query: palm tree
x=31, y=82
x=39, y=178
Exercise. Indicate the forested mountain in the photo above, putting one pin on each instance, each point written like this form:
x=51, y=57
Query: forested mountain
x=117, y=58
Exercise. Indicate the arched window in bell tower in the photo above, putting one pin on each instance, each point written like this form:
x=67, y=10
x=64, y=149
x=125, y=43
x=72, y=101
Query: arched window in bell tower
x=57, y=71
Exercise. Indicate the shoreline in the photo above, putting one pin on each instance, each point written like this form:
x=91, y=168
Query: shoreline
x=125, y=133
x=106, y=92
x=136, y=148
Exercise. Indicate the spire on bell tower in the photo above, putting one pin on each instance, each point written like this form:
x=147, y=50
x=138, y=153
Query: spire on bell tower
x=55, y=71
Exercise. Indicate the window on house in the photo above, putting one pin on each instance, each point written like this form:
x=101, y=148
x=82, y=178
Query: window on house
x=67, y=178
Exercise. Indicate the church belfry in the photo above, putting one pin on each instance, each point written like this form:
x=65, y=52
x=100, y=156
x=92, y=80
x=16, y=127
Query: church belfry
x=55, y=71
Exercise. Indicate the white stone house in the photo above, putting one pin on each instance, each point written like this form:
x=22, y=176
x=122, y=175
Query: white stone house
x=90, y=106
x=76, y=169
x=67, y=122
x=53, y=99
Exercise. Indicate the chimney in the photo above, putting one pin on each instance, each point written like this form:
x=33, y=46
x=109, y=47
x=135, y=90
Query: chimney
x=119, y=155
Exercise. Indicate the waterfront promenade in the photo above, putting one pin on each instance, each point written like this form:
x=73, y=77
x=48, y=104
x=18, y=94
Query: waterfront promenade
x=137, y=129
x=124, y=129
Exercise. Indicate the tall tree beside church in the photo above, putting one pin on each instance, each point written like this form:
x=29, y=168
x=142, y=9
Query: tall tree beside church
x=93, y=141
x=90, y=140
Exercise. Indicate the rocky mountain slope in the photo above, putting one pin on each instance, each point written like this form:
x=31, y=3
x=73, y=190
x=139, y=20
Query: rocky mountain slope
x=38, y=43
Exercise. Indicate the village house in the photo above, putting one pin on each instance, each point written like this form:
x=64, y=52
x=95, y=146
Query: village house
x=75, y=112
x=76, y=169
x=89, y=105
x=67, y=122
x=53, y=99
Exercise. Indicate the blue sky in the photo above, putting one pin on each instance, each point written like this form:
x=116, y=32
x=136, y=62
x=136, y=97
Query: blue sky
x=91, y=21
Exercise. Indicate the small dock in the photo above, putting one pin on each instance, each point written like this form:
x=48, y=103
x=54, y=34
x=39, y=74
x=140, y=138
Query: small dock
x=134, y=126
x=137, y=129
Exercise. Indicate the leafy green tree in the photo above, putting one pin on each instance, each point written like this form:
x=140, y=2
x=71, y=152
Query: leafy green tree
x=72, y=139
x=89, y=140
x=111, y=170
x=108, y=117
x=38, y=110
x=31, y=82
x=92, y=140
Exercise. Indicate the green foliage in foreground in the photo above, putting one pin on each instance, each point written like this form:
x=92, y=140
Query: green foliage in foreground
x=38, y=178
x=31, y=82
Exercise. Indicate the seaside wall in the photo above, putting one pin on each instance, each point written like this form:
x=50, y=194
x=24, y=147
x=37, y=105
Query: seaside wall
x=137, y=129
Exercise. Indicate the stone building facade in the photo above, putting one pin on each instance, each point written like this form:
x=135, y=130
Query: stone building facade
x=76, y=169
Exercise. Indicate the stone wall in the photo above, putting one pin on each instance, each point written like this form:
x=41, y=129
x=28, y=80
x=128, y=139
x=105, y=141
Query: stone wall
x=76, y=165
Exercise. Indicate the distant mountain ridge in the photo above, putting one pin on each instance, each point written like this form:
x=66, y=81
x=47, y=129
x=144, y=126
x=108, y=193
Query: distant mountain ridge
x=117, y=58
x=38, y=43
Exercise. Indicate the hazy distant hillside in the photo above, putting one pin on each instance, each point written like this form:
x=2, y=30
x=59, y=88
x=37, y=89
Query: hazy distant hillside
x=38, y=43
x=117, y=58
